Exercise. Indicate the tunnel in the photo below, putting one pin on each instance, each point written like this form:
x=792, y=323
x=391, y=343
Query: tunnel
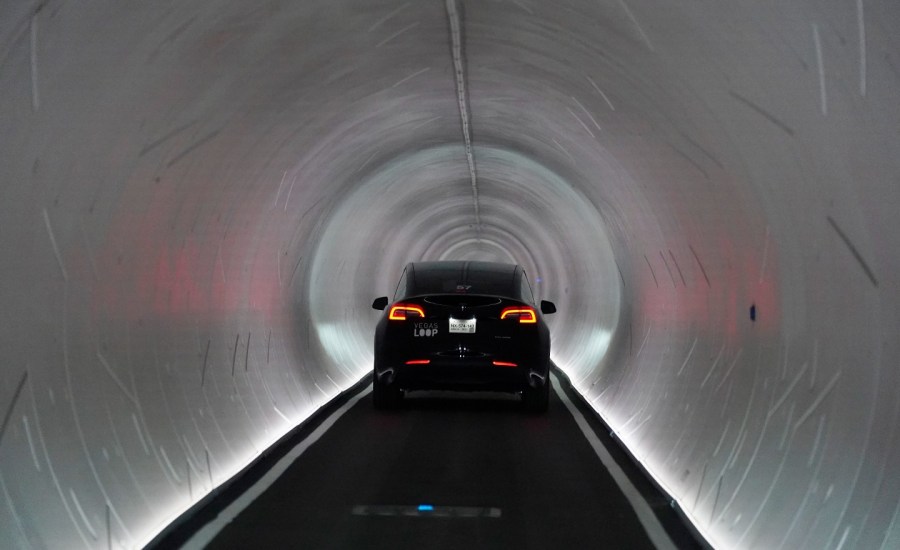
x=201, y=200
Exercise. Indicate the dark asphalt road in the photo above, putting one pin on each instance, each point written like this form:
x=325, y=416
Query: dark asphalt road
x=455, y=454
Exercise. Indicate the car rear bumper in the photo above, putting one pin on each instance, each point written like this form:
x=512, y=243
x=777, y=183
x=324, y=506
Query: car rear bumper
x=462, y=375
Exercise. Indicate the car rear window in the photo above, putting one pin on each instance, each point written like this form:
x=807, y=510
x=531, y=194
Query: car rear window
x=463, y=278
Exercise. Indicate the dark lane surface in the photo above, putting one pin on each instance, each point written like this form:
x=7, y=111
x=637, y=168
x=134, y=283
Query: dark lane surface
x=446, y=451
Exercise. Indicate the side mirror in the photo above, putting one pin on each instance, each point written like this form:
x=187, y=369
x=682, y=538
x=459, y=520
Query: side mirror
x=380, y=303
x=547, y=307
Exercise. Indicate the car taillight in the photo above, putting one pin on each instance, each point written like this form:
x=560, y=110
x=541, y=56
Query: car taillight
x=504, y=364
x=525, y=315
x=418, y=361
x=400, y=311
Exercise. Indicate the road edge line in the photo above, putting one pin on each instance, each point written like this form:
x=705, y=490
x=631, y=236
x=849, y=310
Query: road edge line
x=203, y=536
x=651, y=524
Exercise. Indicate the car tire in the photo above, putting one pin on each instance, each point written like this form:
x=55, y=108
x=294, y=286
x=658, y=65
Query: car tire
x=537, y=400
x=385, y=397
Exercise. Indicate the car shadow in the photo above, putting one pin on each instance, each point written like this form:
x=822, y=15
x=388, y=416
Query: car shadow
x=462, y=401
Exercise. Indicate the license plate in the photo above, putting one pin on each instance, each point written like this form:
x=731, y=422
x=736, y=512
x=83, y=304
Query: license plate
x=462, y=326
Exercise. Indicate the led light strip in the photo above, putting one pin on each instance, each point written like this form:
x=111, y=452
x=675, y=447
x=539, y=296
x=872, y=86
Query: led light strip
x=208, y=532
x=641, y=508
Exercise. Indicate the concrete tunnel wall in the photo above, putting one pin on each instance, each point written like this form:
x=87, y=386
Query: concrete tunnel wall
x=200, y=200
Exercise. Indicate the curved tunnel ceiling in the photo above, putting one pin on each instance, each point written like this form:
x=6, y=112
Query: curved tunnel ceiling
x=200, y=201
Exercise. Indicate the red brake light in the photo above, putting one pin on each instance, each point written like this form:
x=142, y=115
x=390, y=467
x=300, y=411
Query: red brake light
x=418, y=362
x=523, y=314
x=504, y=364
x=400, y=311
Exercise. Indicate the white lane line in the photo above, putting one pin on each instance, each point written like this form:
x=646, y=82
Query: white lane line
x=645, y=515
x=204, y=536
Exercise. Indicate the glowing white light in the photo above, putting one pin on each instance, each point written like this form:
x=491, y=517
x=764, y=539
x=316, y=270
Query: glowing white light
x=345, y=347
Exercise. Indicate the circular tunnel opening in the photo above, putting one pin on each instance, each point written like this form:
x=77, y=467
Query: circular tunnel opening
x=419, y=207
x=201, y=200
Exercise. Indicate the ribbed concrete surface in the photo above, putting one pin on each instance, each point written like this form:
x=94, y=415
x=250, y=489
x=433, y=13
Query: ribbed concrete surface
x=199, y=202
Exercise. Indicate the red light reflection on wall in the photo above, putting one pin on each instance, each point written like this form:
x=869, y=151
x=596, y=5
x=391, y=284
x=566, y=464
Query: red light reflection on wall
x=178, y=257
x=724, y=303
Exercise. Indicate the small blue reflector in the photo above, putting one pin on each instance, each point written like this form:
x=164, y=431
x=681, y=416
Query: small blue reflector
x=426, y=508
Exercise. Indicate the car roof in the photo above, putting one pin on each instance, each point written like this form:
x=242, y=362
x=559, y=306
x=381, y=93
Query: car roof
x=459, y=266
x=438, y=277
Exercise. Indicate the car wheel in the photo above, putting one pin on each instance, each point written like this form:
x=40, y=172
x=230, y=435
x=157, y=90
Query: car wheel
x=537, y=400
x=385, y=397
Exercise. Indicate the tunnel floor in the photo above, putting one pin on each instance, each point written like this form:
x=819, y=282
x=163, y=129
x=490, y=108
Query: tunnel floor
x=449, y=471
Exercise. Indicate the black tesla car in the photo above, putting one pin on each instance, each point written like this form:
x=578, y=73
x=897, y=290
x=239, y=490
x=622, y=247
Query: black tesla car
x=466, y=326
